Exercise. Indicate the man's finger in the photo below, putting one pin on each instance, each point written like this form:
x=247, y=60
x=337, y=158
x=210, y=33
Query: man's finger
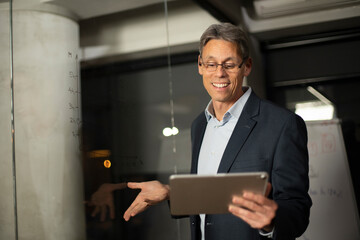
x=112, y=210
x=95, y=211
x=128, y=212
x=244, y=214
x=257, y=198
x=130, y=209
x=248, y=204
x=134, y=185
x=139, y=208
x=254, y=219
x=135, y=208
x=103, y=213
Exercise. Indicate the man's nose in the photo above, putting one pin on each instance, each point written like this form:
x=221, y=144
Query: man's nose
x=220, y=71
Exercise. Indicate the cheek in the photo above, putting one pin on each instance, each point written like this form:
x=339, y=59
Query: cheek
x=238, y=80
x=237, y=84
x=206, y=83
x=206, y=79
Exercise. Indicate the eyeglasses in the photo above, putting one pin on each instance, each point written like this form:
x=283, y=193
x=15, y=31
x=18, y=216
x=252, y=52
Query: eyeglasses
x=228, y=67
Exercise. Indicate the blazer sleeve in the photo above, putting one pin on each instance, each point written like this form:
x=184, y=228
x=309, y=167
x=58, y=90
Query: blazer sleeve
x=290, y=180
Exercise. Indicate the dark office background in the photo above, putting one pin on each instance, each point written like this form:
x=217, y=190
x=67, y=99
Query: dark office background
x=124, y=110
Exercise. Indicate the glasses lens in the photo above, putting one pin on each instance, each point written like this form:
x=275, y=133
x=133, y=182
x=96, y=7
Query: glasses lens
x=211, y=67
x=228, y=67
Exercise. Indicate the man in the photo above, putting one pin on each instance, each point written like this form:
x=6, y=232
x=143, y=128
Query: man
x=239, y=132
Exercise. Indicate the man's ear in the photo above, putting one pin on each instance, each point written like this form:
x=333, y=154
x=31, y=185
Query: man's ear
x=248, y=67
x=200, y=69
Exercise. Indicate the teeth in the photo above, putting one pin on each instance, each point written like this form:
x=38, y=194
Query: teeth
x=220, y=85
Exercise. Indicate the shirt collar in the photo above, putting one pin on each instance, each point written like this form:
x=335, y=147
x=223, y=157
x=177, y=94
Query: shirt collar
x=235, y=109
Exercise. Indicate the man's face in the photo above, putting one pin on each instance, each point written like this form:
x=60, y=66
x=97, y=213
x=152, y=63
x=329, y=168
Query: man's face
x=223, y=86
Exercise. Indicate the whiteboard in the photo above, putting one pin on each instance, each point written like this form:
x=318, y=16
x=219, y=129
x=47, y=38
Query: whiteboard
x=334, y=212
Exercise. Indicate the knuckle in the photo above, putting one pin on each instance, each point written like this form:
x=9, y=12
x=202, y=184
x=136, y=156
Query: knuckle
x=238, y=211
x=247, y=214
x=257, y=226
x=253, y=205
x=267, y=222
x=261, y=201
x=276, y=206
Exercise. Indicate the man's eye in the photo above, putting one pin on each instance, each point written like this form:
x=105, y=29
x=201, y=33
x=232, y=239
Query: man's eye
x=229, y=66
x=211, y=64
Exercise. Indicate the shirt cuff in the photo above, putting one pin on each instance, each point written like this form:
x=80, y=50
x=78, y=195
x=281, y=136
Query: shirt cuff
x=267, y=234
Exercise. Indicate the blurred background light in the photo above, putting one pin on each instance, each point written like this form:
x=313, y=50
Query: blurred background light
x=312, y=111
x=107, y=163
x=167, y=132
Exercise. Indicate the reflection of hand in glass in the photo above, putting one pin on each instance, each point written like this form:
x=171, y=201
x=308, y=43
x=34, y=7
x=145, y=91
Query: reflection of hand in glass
x=103, y=198
x=151, y=193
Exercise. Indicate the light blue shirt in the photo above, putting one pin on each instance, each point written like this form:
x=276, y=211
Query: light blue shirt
x=216, y=137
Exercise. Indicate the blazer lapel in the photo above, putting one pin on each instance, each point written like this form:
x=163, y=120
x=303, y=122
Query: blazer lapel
x=241, y=133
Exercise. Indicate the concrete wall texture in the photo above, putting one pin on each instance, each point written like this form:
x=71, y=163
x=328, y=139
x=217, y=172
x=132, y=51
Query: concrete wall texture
x=47, y=123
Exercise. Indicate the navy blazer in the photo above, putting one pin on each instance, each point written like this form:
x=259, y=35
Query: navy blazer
x=265, y=138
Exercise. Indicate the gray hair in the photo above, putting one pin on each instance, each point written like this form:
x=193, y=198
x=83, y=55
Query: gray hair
x=227, y=32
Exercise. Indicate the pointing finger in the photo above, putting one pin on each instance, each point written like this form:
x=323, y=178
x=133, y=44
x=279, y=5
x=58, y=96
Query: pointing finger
x=134, y=185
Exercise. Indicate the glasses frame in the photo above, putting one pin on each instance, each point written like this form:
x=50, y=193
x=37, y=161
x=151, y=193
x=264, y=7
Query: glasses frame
x=201, y=63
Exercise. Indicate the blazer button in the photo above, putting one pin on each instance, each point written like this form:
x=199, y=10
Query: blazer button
x=208, y=224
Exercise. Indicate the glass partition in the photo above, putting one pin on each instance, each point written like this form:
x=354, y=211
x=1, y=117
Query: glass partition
x=136, y=127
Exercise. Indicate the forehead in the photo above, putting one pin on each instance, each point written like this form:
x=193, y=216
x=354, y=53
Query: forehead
x=220, y=50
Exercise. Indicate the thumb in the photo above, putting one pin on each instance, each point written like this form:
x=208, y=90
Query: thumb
x=134, y=185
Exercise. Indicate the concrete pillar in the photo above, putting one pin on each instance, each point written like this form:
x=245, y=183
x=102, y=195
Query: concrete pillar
x=47, y=123
x=6, y=187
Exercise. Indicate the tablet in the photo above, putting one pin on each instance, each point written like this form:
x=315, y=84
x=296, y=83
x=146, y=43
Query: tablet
x=211, y=194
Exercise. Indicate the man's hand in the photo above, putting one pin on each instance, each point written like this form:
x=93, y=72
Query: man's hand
x=103, y=199
x=152, y=193
x=257, y=210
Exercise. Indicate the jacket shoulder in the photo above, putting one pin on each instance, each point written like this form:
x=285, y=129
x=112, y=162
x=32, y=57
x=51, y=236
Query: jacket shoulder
x=274, y=109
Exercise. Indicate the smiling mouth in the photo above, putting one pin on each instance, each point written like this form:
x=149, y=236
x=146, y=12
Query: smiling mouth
x=220, y=85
